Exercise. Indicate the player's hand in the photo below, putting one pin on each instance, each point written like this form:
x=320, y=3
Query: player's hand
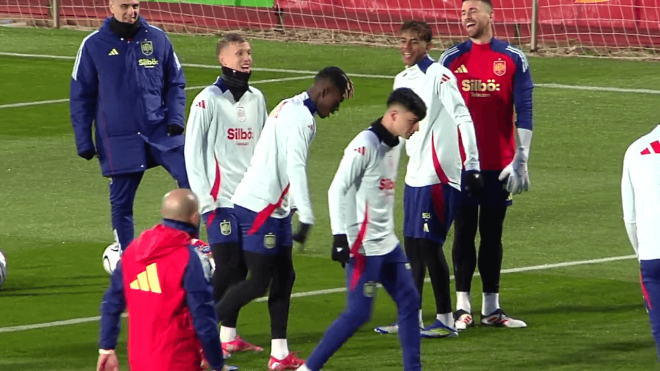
x=516, y=172
x=340, y=251
x=474, y=183
x=174, y=130
x=107, y=362
x=87, y=154
x=301, y=235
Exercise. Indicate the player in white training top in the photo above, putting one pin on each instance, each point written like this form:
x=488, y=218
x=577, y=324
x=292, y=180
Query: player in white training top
x=279, y=164
x=640, y=191
x=361, y=201
x=224, y=125
x=433, y=176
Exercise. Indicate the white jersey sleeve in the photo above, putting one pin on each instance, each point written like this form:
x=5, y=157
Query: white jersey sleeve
x=628, y=202
x=452, y=100
x=300, y=138
x=197, y=140
x=351, y=169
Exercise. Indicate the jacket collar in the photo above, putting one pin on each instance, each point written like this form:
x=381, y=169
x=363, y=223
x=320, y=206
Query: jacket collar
x=181, y=226
x=383, y=134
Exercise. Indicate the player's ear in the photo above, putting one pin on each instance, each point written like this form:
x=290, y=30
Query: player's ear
x=429, y=45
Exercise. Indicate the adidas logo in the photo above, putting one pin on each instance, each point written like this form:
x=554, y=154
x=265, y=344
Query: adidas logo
x=655, y=148
x=445, y=78
x=360, y=150
x=113, y=52
x=201, y=104
x=147, y=280
x=461, y=69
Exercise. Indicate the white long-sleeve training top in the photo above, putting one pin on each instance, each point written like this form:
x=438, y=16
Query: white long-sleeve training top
x=433, y=151
x=279, y=163
x=221, y=137
x=640, y=193
x=361, y=196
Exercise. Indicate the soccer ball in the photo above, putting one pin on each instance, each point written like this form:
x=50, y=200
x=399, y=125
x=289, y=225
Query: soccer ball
x=111, y=257
x=3, y=268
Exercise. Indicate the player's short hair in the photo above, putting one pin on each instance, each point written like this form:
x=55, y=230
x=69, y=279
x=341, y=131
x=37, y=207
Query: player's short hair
x=408, y=99
x=422, y=29
x=226, y=40
x=487, y=2
x=339, y=79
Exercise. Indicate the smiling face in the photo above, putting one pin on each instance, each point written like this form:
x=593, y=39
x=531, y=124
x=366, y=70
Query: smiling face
x=125, y=11
x=476, y=16
x=413, y=48
x=237, y=55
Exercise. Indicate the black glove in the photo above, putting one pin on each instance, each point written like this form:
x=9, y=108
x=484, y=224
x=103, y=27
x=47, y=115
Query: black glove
x=474, y=183
x=87, y=154
x=301, y=235
x=340, y=251
x=174, y=130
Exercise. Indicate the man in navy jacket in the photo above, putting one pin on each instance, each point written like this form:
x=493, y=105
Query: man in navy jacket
x=128, y=83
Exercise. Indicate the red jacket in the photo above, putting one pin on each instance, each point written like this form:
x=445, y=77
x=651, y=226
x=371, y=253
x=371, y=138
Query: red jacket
x=164, y=282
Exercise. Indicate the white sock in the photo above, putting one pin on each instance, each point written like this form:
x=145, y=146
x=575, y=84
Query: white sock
x=446, y=318
x=463, y=301
x=279, y=348
x=227, y=334
x=490, y=303
x=421, y=320
x=303, y=368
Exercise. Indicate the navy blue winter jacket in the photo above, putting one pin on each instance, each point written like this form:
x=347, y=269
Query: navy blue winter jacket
x=131, y=90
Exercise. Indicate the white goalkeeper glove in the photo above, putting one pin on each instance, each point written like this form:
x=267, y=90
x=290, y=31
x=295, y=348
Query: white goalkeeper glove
x=516, y=174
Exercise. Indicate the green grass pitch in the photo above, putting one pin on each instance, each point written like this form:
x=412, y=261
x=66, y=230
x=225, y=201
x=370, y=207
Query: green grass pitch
x=55, y=223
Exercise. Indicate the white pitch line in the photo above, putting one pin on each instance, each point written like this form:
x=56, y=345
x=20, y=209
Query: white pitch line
x=42, y=102
x=542, y=85
x=329, y=291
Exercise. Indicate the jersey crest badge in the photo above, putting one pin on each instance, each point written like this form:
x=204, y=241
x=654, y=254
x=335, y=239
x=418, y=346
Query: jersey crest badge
x=269, y=241
x=240, y=111
x=147, y=47
x=499, y=67
x=225, y=228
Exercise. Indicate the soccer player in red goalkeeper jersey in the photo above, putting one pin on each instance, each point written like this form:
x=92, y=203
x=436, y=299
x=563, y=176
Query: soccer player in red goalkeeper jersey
x=494, y=78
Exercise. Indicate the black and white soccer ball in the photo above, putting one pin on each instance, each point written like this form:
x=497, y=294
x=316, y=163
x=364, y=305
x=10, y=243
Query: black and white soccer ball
x=3, y=268
x=111, y=256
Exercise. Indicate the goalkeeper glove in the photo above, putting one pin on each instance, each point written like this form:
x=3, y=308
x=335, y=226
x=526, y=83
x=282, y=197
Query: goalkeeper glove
x=516, y=172
x=474, y=183
x=340, y=251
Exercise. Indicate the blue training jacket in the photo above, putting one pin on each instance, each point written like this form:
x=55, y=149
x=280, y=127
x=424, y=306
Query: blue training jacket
x=131, y=90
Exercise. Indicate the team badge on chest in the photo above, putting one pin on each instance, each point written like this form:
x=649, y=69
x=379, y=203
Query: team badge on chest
x=499, y=67
x=240, y=111
x=147, y=47
x=225, y=228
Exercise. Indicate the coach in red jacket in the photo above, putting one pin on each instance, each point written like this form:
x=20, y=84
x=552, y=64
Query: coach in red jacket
x=164, y=282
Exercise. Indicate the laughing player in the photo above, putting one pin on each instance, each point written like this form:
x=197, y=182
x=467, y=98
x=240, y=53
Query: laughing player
x=361, y=203
x=224, y=126
x=264, y=219
x=494, y=78
x=433, y=177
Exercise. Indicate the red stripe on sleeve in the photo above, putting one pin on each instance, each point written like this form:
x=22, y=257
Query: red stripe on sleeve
x=436, y=163
x=360, y=260
x=216, y=183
